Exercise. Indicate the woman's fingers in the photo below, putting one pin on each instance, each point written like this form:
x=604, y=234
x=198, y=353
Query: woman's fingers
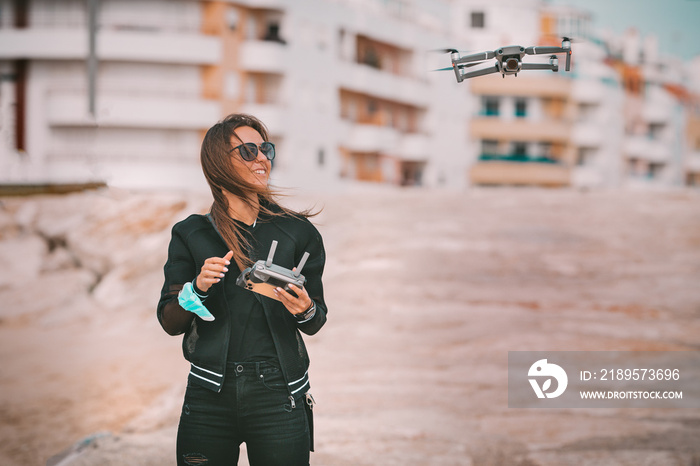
x=213, y=270
x=294, y=305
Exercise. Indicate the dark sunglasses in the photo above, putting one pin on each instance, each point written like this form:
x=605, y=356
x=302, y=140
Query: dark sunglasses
x=249, y=151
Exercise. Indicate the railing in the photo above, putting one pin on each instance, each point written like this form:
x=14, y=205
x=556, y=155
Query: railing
x=263, y=56
x=366, y=80
x=132, y=112
x=65, y=44
x=520, y=158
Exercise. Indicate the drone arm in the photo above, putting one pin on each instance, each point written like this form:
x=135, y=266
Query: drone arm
x=482, y=72
x=540, y=66
x=474, y=57
x=544, y=50
x=568, y=60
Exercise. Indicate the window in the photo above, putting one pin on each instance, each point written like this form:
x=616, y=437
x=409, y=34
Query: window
x=232, y=18
x=545, y=149
x=273, y=33
x=633, y=167
x=520, y=108
x=519, y=149
x=587, y=112
x=489, y=147
x=490, y=106
x=251, y=90
x=321, y=157
x=585, y=156
x=371, y=58
x=655, y=130
x=372, y=106
x=654, y=170
x=252, y=28
x=477, y=20
x=232, y=85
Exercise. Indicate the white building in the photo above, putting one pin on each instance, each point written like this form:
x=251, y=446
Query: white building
x=149, y=110
x=342, y=86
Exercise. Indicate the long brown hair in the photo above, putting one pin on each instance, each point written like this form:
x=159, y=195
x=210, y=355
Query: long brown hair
x=218, y=170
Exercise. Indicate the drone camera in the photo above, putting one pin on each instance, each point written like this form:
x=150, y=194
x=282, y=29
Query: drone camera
x=512, y=64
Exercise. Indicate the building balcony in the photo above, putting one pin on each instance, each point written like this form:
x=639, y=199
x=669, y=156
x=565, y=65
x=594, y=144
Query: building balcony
x=524, y=85
x=587, y=135
x=692, y=162
x=180, y=48
x=52, y=44
x=520, y=130
x=412, y=147
x=657, y=112
x=133, y=112
x=519, y=174
x=370, y=138
x=588, y=92
x=273, y=115
x=640, y=147
x=658, y=106
x=366, y=80
x=263, y=56
x=134, y=46
x=264, y=4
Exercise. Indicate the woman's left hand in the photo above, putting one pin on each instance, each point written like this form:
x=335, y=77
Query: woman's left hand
x=294, y=305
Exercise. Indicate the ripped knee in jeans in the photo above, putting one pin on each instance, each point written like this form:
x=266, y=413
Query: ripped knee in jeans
x=195, y=459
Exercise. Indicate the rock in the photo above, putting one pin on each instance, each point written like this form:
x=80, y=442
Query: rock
x=72, y=453
x=21, y=260
x=58, y=295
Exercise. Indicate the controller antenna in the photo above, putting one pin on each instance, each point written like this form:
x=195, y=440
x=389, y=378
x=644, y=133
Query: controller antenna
x=271, y=254
x=302, y=262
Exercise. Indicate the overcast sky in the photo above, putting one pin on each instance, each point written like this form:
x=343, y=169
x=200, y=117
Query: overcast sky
x=675, y=22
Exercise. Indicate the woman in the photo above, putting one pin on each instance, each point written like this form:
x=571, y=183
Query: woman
x=248, y=379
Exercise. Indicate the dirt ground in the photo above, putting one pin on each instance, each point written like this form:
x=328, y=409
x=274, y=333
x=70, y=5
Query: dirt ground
x=427, y=292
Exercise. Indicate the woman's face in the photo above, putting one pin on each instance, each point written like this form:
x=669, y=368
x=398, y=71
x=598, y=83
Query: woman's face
x=256, y=171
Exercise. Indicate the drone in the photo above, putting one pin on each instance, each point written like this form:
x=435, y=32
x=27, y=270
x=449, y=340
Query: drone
x=509, y=60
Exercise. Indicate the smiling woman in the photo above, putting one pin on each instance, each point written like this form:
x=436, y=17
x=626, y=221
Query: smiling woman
x=249, y=377
x=237, y=177
x=253, y=155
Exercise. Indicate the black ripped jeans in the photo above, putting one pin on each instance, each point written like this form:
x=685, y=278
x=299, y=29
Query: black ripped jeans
x=253, y=407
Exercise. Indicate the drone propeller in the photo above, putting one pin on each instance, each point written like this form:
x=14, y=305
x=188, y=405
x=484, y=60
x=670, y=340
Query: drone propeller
x=445, y=50
x=461, y=65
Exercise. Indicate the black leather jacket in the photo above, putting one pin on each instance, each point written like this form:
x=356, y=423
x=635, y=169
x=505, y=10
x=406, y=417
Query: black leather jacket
x=205, y=344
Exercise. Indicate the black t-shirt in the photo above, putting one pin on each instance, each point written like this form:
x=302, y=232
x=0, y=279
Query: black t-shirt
x=251, y=339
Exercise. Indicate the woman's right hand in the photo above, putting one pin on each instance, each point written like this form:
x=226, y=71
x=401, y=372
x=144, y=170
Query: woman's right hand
x=212, y=271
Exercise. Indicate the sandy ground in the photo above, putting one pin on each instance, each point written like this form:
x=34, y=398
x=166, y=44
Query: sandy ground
x=427, y=290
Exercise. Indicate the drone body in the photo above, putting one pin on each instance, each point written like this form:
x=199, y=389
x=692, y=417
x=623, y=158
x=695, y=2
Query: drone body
x=509, y=60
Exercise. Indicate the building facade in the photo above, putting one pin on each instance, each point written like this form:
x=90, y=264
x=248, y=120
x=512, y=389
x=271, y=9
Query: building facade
x=341, y=85
x=122, y=91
